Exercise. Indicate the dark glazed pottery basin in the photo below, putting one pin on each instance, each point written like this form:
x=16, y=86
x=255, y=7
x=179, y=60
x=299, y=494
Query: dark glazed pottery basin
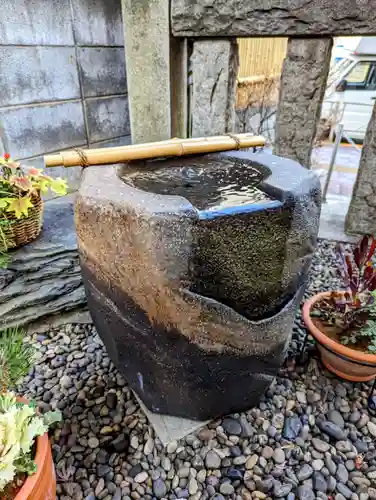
x=193, y=269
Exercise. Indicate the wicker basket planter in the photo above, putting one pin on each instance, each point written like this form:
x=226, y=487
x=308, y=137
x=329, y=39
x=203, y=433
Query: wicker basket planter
x=22, y=231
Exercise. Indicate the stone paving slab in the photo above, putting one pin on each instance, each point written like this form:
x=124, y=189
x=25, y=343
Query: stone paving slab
x=346, y=155
x=169, y=428
x=332, y=219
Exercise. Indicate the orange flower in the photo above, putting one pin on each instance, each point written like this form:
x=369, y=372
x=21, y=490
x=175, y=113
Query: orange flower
x=6, y=156
x=20, y=182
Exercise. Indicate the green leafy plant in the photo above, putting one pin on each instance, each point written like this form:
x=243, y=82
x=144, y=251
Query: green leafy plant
x=16, y=357
x=369, y=331
x=354, y=310
x=4, y=244
x=20, y=422
x=5, y=260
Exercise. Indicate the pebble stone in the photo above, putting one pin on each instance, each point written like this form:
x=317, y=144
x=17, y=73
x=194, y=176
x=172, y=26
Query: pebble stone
x=159, y=488
x=332, y=430
x=305, y=493
x=279, y=456
x=320, y=445
x=226, y=489
x=336, y=418
x=141, y=477
x=232, y=426
x=305, y=472
x=372, y=428
x=212, y=460
x=93, y=442
x=318, y=464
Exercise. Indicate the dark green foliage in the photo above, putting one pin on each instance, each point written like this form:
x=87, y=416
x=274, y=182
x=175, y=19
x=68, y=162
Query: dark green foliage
x=369, y=330
x=25, y=464
x=5, y=258
x=16, y=357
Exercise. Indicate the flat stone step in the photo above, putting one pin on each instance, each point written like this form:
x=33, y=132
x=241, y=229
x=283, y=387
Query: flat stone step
x=43, y=279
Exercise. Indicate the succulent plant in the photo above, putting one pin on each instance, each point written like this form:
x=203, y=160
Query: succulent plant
x=20, y=424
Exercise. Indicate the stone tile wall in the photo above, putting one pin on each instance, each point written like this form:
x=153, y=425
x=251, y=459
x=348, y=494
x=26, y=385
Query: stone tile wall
x=63, y=82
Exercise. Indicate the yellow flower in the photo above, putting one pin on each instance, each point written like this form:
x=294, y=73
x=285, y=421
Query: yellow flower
x=59, y=186
x=20, y=206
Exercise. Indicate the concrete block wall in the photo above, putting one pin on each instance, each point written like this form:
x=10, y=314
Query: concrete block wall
x=63, y=78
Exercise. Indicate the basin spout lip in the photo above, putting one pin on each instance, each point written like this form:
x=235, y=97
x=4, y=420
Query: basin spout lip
x=238, y=209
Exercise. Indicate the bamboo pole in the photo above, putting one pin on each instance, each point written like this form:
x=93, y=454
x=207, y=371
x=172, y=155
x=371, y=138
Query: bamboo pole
x=252, y=80
x=172, y=147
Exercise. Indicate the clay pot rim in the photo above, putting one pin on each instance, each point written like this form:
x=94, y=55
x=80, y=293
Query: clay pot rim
x=42, y=445
x=328, y=342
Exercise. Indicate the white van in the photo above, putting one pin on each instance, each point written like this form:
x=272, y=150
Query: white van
x=351, y=90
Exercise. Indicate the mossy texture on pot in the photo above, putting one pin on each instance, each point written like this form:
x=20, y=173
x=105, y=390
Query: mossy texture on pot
x=193, y=268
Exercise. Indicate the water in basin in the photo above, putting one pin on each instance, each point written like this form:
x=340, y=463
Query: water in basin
x=212, y=186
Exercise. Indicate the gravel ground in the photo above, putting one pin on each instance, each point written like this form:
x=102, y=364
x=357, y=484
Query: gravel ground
x=310, y=437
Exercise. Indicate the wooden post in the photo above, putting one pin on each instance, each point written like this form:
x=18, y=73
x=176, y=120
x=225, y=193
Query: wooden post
x=214, y=66
x=179, y=87
x=147, y=51
x=303, y=82
x=361, y=217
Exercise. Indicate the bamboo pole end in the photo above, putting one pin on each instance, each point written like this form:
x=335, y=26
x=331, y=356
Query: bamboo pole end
x=54, y=160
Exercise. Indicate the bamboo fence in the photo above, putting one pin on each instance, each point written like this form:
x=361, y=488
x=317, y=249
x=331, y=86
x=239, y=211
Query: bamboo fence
x=260, y=68
x=261, y=56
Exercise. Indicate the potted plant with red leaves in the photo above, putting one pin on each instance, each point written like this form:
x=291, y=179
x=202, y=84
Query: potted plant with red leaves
x=344, y=322
x=21, y=205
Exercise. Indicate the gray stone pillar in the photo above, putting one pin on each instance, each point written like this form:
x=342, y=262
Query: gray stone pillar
x=147, y=51
x=361, y=217
x=303, y=82
x=214, y=65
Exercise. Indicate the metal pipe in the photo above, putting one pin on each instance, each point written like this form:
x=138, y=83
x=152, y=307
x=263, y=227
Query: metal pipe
x=332, y=160
x=352, y=143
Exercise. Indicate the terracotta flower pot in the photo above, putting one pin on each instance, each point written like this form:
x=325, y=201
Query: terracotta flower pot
x=42, y=484
x=356, y=366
